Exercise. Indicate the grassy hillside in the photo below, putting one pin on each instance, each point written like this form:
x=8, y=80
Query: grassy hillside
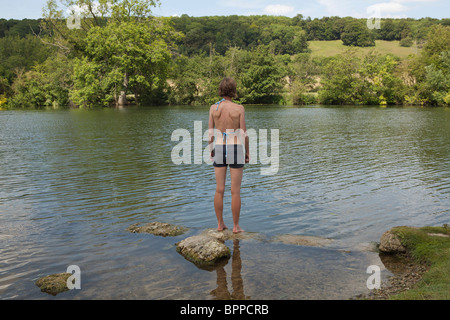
x=334, y=47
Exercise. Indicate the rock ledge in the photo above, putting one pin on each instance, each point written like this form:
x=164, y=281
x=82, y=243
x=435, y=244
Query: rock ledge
x=158, y=229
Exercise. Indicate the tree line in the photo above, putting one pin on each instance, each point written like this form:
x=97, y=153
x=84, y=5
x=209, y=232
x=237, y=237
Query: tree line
x=123, y=54
x=247, y=32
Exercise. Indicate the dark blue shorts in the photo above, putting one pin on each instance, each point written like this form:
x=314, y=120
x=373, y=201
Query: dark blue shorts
x=232, y=155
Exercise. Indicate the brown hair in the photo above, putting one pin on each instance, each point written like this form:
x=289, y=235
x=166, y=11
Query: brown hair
x=227, y=88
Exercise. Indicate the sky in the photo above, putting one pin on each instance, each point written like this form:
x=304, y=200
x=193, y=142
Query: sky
x=32, y=9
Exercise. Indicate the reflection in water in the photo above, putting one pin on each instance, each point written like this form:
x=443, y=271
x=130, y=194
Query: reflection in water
x=237, y=284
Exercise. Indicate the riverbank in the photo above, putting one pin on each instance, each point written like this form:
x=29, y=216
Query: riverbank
x=419, y=273
x=423, y=271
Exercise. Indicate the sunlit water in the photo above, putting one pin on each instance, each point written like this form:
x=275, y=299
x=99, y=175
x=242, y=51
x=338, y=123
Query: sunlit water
x=71, y=182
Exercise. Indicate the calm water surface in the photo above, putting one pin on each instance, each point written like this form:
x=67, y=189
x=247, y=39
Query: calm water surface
x=71, y=182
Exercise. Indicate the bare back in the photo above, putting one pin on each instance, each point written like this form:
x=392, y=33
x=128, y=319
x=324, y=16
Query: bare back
x=225, y=117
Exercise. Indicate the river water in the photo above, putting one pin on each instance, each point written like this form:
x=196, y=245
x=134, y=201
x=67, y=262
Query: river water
x=72, y=181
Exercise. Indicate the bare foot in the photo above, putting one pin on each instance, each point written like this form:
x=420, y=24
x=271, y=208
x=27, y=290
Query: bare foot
x=221, y=227
x=237, y=229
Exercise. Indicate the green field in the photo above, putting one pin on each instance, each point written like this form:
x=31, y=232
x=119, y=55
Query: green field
x=334, y=47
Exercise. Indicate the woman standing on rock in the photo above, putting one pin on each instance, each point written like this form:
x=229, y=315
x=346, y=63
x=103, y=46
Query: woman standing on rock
x=228, y=120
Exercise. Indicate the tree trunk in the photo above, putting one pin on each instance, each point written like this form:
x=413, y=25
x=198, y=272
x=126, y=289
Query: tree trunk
x=123, y=94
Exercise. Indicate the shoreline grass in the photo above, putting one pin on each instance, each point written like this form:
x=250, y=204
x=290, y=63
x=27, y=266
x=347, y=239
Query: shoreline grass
x=430, y=246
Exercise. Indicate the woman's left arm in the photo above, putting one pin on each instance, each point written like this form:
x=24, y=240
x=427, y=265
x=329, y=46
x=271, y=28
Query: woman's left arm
x=211, y=129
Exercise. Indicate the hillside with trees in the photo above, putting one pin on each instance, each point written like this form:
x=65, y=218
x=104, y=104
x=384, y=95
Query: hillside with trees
x=122, y=54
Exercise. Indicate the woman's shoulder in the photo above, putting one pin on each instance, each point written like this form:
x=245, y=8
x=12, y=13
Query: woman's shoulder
x=236, y=105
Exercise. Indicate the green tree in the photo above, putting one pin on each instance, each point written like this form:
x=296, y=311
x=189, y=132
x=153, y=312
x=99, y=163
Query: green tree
x=380, y=81
x=185, y=78
x=45, y=85
x=388, y=30
x=123, y=57
x=20, y=53
x=4, y=91
x=92, y=13
x=340, y=84
x=421, y=28
x=438, y=79
x=403, y=29
x=438, y=41
x=406, y=42
x=316, y=30
x=4, y=86
x=356, y=34
x=348, y=79
x=430, y=69
x=285, y=39
x=262, y=82
x=302, y=72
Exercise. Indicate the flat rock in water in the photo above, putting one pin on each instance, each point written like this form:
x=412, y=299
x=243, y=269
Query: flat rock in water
x=227, y=234
x=203, y=250
x=54, y=283
x=158, y=229
x=302, y=240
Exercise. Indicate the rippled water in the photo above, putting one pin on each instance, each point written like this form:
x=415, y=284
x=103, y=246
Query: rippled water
x=71, y=182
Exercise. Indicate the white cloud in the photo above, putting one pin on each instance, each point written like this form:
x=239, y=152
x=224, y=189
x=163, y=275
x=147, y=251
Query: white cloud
x=278, y=9
x=390, y=9
x=387, y=7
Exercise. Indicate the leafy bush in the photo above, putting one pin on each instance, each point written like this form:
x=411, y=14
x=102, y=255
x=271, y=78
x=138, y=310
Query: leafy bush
x=406, y=42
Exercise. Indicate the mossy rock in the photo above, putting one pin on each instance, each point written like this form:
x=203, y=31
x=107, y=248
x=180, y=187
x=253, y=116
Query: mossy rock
x=54, y=283
x=390, y=242
x=158, y=229
x=402, y=239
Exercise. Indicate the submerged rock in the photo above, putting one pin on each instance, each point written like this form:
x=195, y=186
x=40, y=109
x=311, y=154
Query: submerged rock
x=203, y=250
x=54, y=283
x=158, y=229
x=302, y=240
x=391, y=243
x=227, y=234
